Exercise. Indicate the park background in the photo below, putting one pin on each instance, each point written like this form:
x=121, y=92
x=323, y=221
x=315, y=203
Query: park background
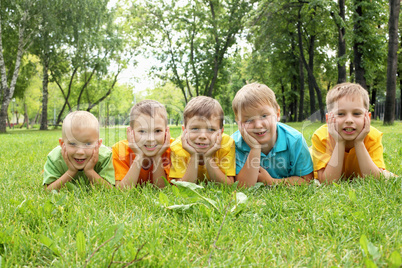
x=58, y=56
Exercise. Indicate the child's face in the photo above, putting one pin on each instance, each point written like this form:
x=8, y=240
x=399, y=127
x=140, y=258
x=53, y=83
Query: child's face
x=260, y=123
x=349, y=113
x=149, y=133
x=80, y=144
x=201, y=132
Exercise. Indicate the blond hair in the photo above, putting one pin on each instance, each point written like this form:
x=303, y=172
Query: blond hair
x=148, y=107
x=347, y=90
x=203, y=106
x=79, y=120
x=252, y=95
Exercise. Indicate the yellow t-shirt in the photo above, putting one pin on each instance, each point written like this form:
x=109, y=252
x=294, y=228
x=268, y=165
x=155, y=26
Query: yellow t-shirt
x=323, y=146
x=224, y=158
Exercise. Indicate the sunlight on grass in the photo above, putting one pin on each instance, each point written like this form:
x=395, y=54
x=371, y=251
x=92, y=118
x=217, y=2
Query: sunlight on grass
x=344, y=225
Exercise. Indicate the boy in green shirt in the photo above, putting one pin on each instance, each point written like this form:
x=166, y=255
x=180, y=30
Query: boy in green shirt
x=80, y=154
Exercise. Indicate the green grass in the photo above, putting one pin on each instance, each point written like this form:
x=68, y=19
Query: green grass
x=344, y=225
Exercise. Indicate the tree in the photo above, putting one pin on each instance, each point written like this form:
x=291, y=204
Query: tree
x=92, y=43
x=394, y=8
x=18, y=21
x=192, y=40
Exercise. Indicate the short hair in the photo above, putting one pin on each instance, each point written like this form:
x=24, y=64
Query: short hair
x=347, y=90
x=148, y=107
x=203, y=106
x=251, y=95
x=79, y=119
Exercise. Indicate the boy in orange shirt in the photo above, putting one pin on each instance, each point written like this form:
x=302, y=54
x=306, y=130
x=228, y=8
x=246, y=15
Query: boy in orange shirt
x=145, y=155
x=347, y=146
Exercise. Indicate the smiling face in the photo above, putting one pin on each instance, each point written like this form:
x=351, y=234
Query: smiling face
x=149, y=133
x=349, y=112
x=80, y=144
x=260, y=123
x=202, y=132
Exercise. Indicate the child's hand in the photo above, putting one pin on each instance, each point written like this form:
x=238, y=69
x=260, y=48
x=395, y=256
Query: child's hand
x=165, y=145
x=70, y=166
x=366, y=129
x=186, y=145
x=333, y=128
x=93, y=160
x=252, y=142
x=217, y=140
x=132, y=144
x=264, y=177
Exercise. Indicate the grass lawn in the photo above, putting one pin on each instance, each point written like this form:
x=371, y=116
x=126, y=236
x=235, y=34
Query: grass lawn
x=345, y=225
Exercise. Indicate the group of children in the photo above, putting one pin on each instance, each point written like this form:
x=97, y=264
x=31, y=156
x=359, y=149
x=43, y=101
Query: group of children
x=262, y=150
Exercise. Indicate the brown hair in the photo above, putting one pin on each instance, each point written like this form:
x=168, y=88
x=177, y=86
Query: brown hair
x=347, y=89
x=251, y=95
x=148, y=107
x=203, y=106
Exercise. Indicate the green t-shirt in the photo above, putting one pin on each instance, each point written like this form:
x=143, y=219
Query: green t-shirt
x=55, y=167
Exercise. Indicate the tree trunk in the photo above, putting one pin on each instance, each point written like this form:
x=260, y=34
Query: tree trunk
x=310, y=78
x=373, y=100
x=341, y=43
x=8, y=91
x=309, y=71
x=358, y=54
x=283, y=102
x=45, y=82
x=389, y=115
x=301, y=90
x=26, y=117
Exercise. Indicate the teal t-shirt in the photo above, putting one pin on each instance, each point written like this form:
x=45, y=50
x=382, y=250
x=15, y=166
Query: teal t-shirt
x=55, y=167
x=289, y=157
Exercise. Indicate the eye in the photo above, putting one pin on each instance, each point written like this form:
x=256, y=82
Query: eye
x=88, y=144
x=141, y=131
x=158, y=130
x=248, y=121
x=264, y=116
x=211, y=129
x=357, y=113
x=194, y=129
x=340, y=114
x=72, y=144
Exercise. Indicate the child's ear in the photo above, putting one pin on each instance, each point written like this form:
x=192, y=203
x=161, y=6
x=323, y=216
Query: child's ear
x=222, y=130
x=278, y=115
x=100, y=142
x=326, y=117
x=61, y=142
x=182, y=127
x=369, y=115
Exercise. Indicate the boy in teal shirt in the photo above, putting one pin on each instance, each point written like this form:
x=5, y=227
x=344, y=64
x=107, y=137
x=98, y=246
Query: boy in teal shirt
x=266, y=150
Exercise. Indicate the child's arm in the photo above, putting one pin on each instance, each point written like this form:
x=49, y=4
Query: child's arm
x=214, y=172
x=248, y=175
x=192, y=166
x=92, y=175
x=67, y=176
x=265, y=178
x=333, y=171
x=366, y=164
x=158, y=170
x=131, y=178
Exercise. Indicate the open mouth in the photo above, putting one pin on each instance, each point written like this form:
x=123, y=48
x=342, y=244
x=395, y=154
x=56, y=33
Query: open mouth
x=349, y=130
x=202, y=145
x=79, y=161
x=150, y=147
x=260, y=134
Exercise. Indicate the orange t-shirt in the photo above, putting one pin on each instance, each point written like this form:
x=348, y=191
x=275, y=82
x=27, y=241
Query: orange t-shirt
x=123, y=157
